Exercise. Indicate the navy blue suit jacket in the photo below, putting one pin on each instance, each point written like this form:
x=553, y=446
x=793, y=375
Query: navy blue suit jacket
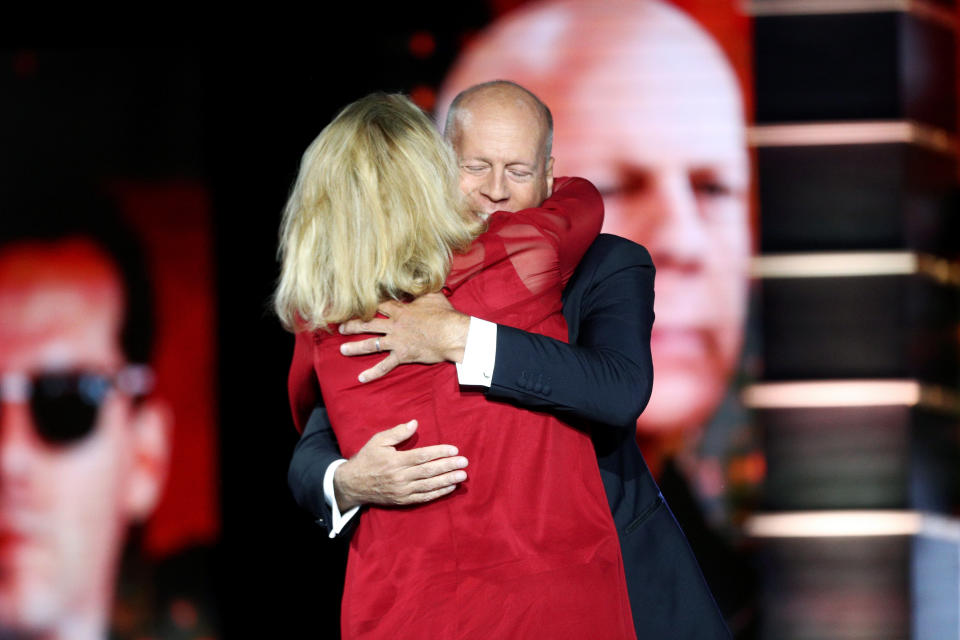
x=601, y=382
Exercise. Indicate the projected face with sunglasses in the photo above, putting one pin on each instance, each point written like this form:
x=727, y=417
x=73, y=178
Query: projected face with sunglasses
x=82, y=453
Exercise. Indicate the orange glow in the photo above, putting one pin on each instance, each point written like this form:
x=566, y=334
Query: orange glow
x=840, y=524
x=749, y=469
x=844, y=393
x=831, y=133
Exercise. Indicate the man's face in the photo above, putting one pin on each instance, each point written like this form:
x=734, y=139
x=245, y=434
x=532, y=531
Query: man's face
x=665, y=145
x=500, y=151
x=63, y=508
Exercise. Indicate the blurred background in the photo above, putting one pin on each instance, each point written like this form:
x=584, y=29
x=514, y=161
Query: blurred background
x=790, y=165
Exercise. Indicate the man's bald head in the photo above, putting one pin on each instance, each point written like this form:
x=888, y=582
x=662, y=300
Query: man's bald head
x=648, y=108
x=502, y=93
x=502, y=135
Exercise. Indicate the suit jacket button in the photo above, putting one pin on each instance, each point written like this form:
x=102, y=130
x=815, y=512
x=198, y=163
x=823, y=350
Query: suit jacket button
x=537, y=388
x=546, y=390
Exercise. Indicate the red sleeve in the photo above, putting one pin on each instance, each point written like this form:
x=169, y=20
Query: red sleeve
x=572, y=217
x=302, y=382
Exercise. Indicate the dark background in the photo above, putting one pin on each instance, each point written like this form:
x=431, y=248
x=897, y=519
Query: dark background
x=230, y=120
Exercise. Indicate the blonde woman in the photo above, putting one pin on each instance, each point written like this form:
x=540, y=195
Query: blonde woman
x=521, y=549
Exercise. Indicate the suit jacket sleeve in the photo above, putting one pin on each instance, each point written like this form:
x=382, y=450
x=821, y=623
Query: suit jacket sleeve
x=607, y=375
x=315, y=451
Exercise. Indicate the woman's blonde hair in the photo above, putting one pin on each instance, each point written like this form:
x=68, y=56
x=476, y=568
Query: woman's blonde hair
x=374, y=214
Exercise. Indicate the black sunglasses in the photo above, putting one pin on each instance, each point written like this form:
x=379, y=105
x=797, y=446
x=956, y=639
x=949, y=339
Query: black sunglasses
x=64, y=405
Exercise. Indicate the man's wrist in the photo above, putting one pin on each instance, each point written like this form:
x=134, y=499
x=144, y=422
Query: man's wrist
x=339, y=518
x=345, y=498
x=458, y=327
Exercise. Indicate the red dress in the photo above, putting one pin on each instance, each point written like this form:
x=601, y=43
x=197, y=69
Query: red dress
x=526, y=546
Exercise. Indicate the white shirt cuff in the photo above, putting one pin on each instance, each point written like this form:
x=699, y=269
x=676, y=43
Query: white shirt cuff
x=339, y=520
x=479, y=354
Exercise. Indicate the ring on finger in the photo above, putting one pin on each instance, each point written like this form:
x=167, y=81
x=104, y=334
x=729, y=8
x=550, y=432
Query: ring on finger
x=378, y=345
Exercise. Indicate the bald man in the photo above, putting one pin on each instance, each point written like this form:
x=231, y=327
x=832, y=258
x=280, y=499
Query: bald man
x=648, y=108
x=502, y=135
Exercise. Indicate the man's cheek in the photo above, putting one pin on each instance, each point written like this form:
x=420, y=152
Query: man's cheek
x=628, y=218
x=729, y=283
x=468, y=183
x=475, y=202
x=726, y=282
x=729, y=228
x=533, y=194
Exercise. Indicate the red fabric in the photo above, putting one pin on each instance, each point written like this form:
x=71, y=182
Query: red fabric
x=526, y=547
x=301, y=381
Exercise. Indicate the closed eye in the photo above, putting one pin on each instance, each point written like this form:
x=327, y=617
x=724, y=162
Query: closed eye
x=629, y=184
x=711, y=183
x=712, y=188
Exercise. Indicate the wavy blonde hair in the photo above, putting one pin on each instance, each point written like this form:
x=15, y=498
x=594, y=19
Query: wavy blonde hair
x=375, y=213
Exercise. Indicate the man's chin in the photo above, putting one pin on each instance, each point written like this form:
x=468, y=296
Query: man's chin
x=27, y=607
x=679, y=403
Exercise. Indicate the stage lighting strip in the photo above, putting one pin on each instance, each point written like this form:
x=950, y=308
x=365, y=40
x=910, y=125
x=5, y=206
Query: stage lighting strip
x=851, y=393
x=843, y=133
x=919, y=8
x=845, y=524
x=845, y=264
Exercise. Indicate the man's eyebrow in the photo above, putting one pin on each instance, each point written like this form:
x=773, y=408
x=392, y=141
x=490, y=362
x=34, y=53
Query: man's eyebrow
x=522, y=163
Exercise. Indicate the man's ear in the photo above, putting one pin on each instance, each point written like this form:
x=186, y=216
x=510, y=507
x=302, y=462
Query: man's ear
x=549, y=176
x=152, y=432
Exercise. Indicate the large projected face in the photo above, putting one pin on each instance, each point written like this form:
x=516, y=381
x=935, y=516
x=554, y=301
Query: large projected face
x=67, y=492
x=646, y=106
